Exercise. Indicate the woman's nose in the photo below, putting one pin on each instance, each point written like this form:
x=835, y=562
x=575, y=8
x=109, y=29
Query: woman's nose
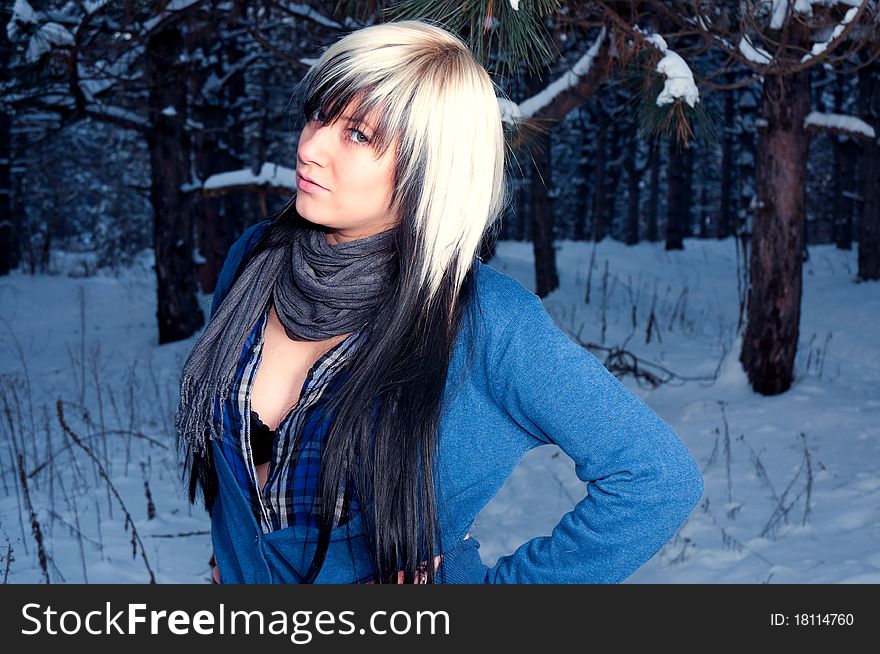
x=314, y=145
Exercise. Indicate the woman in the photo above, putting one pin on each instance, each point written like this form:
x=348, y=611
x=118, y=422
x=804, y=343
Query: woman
x=366, y=384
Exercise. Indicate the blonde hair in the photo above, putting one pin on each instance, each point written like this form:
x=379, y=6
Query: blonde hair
x=431, y=93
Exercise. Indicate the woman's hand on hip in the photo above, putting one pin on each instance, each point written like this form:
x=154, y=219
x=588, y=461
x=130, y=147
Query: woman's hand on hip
x=421, y=573
x=215, y=570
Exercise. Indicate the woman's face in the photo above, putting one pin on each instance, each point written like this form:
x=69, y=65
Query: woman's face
x=341, y=183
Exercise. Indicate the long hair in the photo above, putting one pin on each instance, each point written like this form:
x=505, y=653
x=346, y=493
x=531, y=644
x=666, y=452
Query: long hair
x=449, y=190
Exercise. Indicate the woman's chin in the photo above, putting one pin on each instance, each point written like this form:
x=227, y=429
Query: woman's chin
x=308, y=212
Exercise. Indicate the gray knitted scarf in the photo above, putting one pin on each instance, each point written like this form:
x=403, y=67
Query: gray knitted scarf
x=318, y=291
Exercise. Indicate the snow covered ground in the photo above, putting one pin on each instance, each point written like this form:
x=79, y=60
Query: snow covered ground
x=792, y=488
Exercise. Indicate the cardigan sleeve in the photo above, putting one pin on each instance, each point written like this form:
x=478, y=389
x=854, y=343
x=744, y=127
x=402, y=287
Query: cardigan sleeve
x=642, y=481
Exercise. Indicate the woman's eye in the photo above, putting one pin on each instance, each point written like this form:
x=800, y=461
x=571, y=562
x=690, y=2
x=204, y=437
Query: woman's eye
x=358, y=137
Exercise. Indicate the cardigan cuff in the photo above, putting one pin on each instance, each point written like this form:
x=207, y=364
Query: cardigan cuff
x=462, y=564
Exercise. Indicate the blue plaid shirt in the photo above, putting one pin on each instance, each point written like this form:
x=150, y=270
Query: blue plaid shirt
x=287, y=497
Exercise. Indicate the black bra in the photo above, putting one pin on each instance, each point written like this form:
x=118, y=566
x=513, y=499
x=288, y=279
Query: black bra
x=261, y=439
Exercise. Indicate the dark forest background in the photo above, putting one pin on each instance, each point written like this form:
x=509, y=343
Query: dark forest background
x=119, y=121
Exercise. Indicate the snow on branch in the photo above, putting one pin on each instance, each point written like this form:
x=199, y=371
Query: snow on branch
x=24, y=21
x=117, y=115
x=779, y=10
x=171, y=8
x=852, y=126
x=271, y=175
x=819, y=48
x=22, y=15
x=91, y=6
x=44, y=38
x=308, y=12
x=754, y=54
x=511, y=112
x=213, y=84
x=679, y=84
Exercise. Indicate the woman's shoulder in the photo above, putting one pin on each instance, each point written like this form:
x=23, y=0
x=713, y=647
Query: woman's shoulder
x=502, y=297
x=237, y=252
x=250, y=235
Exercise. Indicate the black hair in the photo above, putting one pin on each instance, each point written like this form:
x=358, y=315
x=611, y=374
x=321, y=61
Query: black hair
x=385, y=458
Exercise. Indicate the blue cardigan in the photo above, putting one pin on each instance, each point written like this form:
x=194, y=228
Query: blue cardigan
x=527, y=384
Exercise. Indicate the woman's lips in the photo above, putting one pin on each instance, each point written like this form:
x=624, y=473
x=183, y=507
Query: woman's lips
x=308, y=186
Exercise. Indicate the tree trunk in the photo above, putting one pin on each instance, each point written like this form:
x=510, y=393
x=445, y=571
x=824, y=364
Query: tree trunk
x=613, y=176
x=8, y=237
x=574, y=96
x=542, y=222
x=600, y=194
x=178, y=311
x=844, y=173
x=652, y=206
x=846, y=153
x=585, y=167
x=869, y=220
x=634, y=178
x=546, y=278
x=704, y=213
x=678, y=205
x=776, y=261
x=745, y=161
x=258, y=85
x=220, y=220
x=519, y=231
x=692, y=154
x=729, y=134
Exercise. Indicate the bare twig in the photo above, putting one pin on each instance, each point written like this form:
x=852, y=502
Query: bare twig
x=135, y=536
x=182, y=534
x=151, y=507
x=123, y=432
x=809, y=488
x=36, y=530
x=729, y=540
x=590, y=271
x=9, y=560
x=621, y=362
x=604, y=301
